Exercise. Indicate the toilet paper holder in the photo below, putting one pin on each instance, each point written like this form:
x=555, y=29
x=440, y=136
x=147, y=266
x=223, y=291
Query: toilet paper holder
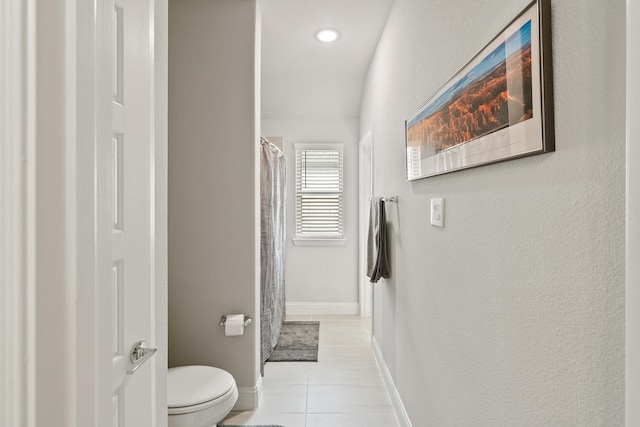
x=247, y=320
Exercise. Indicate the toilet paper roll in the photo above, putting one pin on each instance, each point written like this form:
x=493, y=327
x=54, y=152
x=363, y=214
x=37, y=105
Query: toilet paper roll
x=234, y=325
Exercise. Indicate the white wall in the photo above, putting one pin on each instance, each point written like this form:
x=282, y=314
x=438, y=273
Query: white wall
x=212, y=183
x=513, y=314
x=321, y=274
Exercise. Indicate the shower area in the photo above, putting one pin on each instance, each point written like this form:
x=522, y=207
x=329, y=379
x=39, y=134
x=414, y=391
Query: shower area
x=273, y=183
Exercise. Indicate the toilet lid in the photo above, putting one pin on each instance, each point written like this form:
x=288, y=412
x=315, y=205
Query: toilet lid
x=193, y=385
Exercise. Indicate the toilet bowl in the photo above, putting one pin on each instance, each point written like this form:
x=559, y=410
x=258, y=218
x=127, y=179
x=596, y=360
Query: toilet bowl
x=199, y=396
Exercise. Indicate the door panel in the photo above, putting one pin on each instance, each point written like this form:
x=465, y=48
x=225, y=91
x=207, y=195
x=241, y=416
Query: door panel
x=130, y=201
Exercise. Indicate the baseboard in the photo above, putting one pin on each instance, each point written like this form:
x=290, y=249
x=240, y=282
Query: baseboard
x=323, y=308
x=398, y=406
x=249, y=397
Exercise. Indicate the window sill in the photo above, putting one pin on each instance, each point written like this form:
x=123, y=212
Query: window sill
x=311, y=241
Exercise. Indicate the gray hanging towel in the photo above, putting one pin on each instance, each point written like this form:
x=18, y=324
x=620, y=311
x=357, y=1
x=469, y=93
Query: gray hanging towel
x=377, y=263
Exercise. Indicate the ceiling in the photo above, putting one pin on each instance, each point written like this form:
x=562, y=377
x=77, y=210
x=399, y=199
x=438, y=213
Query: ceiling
x=304, y=78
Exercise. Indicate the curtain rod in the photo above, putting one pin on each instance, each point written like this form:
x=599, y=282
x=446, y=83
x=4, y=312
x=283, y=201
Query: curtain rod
x=264, y=140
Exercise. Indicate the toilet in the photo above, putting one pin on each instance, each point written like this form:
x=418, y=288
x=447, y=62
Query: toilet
x=199, y=396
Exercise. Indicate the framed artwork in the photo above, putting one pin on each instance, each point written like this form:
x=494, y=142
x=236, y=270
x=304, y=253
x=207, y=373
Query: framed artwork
x=497, y=107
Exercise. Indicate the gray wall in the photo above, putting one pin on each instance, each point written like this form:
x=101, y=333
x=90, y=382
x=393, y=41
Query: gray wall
x=212, y=183
x=513, y=314
x=161, y=16
x=633, y=218
x=321, y=274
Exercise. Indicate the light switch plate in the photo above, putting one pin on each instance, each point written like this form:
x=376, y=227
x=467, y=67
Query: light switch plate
x=437, y=212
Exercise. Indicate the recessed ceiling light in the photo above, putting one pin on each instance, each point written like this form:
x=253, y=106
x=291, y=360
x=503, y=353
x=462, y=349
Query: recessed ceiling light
x=327, y=36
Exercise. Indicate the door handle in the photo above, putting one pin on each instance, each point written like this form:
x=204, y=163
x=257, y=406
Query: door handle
x=140, y=353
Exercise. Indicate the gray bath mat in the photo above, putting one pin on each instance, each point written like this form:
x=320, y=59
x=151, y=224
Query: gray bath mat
x=298, y=342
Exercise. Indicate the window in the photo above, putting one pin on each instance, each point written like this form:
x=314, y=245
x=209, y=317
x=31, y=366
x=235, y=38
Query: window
x=319, y=213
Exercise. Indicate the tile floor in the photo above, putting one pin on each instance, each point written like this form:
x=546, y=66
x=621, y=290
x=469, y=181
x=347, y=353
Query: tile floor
x=343, y=389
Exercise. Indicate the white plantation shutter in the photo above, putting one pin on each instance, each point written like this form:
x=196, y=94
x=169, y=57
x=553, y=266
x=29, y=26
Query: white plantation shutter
x=319, y=190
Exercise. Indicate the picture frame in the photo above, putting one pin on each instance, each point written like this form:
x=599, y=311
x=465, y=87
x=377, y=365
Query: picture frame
x=497, y=107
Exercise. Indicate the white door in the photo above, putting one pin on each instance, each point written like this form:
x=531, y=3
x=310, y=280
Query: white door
x=132, y=307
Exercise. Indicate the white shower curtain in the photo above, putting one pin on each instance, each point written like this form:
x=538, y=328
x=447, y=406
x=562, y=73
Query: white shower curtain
x=273, y=177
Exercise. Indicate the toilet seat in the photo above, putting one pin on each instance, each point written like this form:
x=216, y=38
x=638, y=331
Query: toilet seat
x=195, y=388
